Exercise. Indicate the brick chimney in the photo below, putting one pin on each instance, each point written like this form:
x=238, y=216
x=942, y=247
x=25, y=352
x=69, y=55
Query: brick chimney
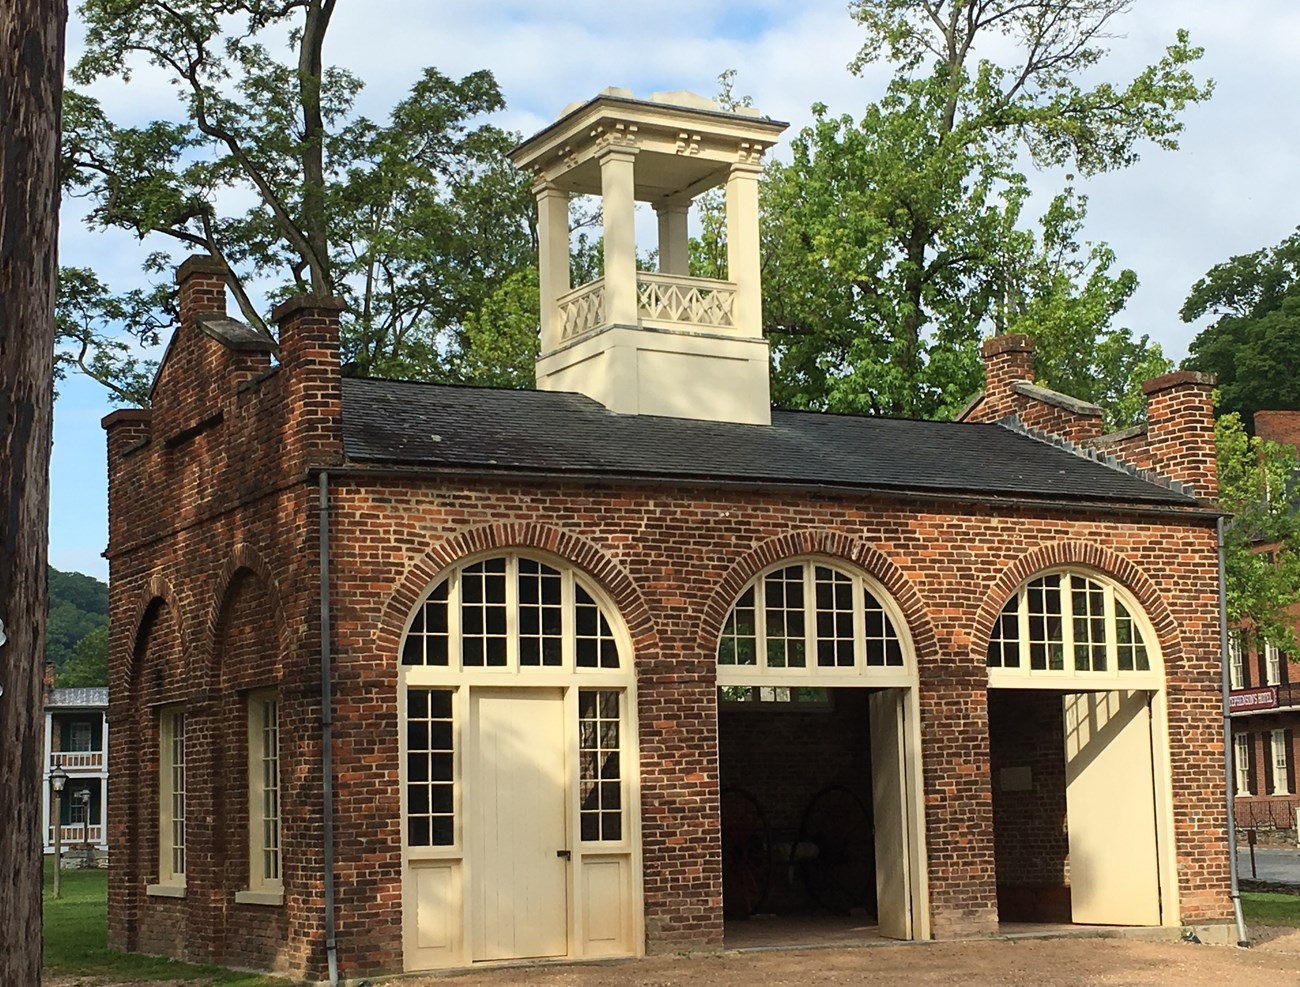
x=201, y=285
x=1282, y=427
x=47, y=682
x=309, y=354
x=1008, y=360
x=1180, y=429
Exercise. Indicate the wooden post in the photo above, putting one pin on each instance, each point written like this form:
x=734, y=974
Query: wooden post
x=31, y=91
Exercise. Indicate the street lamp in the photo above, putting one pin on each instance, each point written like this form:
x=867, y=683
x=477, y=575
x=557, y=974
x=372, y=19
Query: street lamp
x=58, y=778
x=83, y=797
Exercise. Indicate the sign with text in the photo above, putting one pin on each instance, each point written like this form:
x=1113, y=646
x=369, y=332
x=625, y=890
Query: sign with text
x=1246, y=700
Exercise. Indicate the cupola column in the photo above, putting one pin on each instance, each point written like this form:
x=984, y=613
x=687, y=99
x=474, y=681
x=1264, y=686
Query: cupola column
x=552, y=259
x=674, y=242
x=744, y=267
x=619, y=205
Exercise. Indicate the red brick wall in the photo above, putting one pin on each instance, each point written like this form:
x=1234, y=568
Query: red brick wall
x=1278, y=426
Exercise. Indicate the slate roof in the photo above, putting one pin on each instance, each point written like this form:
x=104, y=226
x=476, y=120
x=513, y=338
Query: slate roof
x=89, y=696
x=417, y=424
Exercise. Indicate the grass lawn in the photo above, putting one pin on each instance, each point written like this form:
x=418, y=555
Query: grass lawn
x=76, y=941
x=1270, y=908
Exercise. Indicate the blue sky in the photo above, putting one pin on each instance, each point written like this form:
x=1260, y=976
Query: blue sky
x=1230, y=190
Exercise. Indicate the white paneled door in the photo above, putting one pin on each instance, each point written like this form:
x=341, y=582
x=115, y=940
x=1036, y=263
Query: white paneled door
x=518, y=836
x=1110, y=801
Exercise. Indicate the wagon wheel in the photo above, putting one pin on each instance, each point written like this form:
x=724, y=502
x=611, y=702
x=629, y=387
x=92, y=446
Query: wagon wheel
x=746, y=859
x=842, y=875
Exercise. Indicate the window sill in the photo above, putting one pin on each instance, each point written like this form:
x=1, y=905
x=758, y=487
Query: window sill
x=259, y=898
x=165, y=890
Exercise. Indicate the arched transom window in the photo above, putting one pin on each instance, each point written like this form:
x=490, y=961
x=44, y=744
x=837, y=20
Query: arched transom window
x=811, y=617
x=511, y=613
x=1067, y=624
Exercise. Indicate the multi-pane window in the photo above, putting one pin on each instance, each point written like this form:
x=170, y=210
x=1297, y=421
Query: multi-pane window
x=80, y=737
x=1237, y=658
x=430, y=768
x=1241, y=762
x=1067, y=622
x=1281, y=761
x=264, y=791
x=600, y=811
x=807, y=609
x=511, y=613
x=171, y=795
x=1272, y=665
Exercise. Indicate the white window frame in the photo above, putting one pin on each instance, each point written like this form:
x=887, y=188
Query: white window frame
x=1241, y=762
x=811, y=674
x=1237, y=658
x=1025, y=676
x=265, y=859
x=1281, y=761
x=172, y=784
x=570, y=581
x=1272, y=665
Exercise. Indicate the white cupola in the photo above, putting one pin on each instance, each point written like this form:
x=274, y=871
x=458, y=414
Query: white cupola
x=641, y=342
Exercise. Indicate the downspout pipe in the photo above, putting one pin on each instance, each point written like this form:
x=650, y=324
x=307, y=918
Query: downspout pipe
x=1229, y=780
x=327, y=732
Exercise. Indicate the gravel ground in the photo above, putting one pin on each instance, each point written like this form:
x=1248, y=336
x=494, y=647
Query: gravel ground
x=1274, y=961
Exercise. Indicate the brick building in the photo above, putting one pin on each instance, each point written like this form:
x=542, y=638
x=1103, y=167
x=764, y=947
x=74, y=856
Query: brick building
x=608, y=666
x=1265, y=702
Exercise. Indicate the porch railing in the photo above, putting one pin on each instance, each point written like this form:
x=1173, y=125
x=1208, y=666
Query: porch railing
x=75, y=834
x=77, y=759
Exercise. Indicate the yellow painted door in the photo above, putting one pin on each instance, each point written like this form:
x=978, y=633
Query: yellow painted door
x=517, y=824
x=1110, y=807
x=889, y=809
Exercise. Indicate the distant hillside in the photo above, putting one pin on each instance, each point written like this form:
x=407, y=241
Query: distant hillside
x=78, y=615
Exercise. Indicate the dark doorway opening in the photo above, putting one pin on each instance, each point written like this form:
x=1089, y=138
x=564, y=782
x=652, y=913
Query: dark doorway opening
x=798, y=836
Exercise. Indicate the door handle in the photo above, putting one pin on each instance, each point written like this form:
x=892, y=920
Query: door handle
x=564, y=854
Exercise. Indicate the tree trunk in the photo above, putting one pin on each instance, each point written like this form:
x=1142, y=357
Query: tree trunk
x=31, y=89
x=310, y=71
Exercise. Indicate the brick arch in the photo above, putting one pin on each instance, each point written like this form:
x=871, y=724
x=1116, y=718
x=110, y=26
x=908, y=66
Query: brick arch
x=835, y=545
x=156, y=590
x=576, y=551
x=1084, y=556
x=243, y=558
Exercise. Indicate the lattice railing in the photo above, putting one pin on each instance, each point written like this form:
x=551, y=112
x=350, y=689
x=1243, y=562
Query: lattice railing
x=667, y=298
x=582, y=309
x=696, y=301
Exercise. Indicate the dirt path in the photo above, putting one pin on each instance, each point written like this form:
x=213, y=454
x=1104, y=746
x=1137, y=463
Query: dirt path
x=1034, y=963
x=1273, y=962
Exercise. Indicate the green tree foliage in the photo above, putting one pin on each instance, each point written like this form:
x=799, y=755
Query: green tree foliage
x=1259, y=485
x=78, y=606
x=500, y=340
x=895, y=241
x=88, y=665
x=1253, y=345
x=416, y=220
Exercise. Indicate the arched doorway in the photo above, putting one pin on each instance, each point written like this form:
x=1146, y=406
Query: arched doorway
x=520, y=807
x=819, y=755
x=1079, y=756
